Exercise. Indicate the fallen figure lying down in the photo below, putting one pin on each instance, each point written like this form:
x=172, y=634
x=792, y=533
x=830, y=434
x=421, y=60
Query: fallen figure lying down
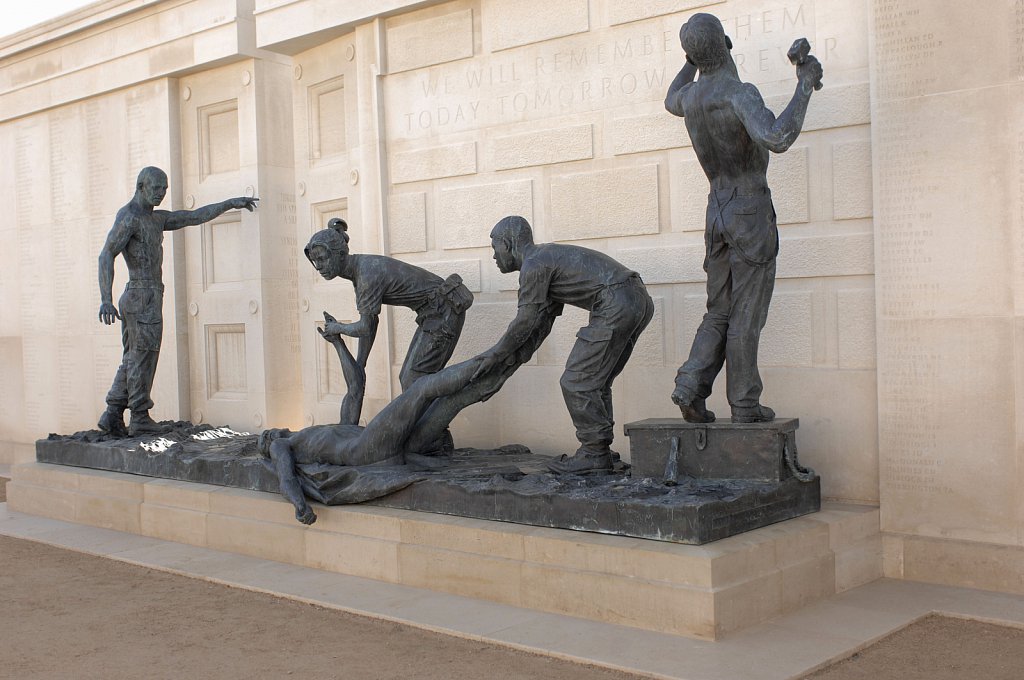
x=411, y=424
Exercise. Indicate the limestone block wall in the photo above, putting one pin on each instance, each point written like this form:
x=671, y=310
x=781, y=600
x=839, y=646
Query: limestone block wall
x=68, y=171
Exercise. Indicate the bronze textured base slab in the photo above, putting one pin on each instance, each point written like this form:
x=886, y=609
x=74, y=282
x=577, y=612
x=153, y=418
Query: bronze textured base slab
x=508, y=484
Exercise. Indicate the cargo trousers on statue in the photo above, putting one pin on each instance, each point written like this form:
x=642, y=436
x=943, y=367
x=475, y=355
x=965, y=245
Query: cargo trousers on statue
x=141, y=309
x=438, y=327
x=602, y=349
x=742, y=241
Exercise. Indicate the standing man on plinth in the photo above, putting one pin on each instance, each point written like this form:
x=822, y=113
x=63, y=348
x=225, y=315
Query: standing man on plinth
x=732, y=132
x=556, y=274
x=138, y=235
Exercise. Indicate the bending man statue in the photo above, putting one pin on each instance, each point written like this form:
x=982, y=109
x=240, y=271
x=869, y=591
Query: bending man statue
x=138, y=235
x=732, y=132
x=440, y=306
x=556, y=274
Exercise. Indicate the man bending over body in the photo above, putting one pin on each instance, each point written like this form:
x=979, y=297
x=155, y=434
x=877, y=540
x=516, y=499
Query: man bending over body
x=553, y=274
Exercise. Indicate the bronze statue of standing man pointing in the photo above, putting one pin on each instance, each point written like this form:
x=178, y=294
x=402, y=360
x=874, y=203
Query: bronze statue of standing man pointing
x=138, y=236
x=732, y=132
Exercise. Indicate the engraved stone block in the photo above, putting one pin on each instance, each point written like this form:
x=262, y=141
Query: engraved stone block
x=225, y=361
x=847, y=255
x=434, y=162
x=650, y=132
x=938, y=29
x=433, y=40
x=12, y=397
x=934, y=376
x=689, y=189
x=557, y=145
x=787, y=338
x=469, y=270
x=624, y=12
x=851, y=180
x=327, y=118
x=668, y=264
x=407, y=226
x=856, y=321
x=510, y=23
x=832, y=107
x=787, y=178
x=617, y=202
x=466, y=215
x=222, y=241
x=218, y=137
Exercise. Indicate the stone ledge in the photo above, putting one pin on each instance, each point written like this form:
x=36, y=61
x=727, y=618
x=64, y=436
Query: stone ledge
x=953, y=562
x=699, y=591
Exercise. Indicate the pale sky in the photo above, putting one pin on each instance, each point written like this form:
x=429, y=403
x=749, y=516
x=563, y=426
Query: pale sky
x=16, y=15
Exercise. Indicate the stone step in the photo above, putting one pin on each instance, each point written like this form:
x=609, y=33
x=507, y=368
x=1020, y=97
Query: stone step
x=701, y=591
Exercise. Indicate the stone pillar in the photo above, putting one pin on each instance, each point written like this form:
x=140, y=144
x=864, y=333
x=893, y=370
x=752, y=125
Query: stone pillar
x=337, y=174
x=948, y=130
x=241, y=267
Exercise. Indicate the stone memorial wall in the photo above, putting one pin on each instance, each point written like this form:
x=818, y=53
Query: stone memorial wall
x=948, y=121
x=895, y=329
x=69, y=170
x=555, y=113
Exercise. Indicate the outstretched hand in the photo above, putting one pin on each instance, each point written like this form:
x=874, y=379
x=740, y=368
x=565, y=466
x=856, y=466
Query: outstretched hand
x=108, y=313
x=246, y=202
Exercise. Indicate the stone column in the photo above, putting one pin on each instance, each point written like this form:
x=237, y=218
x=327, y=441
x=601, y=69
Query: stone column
x=241, y=267
x=948, y=133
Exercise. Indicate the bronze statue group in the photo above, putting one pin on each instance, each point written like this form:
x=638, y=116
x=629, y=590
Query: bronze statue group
x=732, y=132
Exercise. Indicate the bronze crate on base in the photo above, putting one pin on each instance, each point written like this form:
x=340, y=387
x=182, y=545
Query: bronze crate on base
x=670, y=448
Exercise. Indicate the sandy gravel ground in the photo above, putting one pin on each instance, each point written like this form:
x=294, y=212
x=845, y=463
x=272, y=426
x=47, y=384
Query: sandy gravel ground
x=937, y=648
x=64, y=614
x=68, y=615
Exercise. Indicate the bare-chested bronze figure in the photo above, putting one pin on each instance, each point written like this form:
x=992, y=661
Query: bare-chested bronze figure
x=138, y=236
x=733, y=133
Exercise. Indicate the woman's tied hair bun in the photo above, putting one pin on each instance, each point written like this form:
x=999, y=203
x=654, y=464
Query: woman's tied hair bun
x=340, y=226
x=334, y=238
